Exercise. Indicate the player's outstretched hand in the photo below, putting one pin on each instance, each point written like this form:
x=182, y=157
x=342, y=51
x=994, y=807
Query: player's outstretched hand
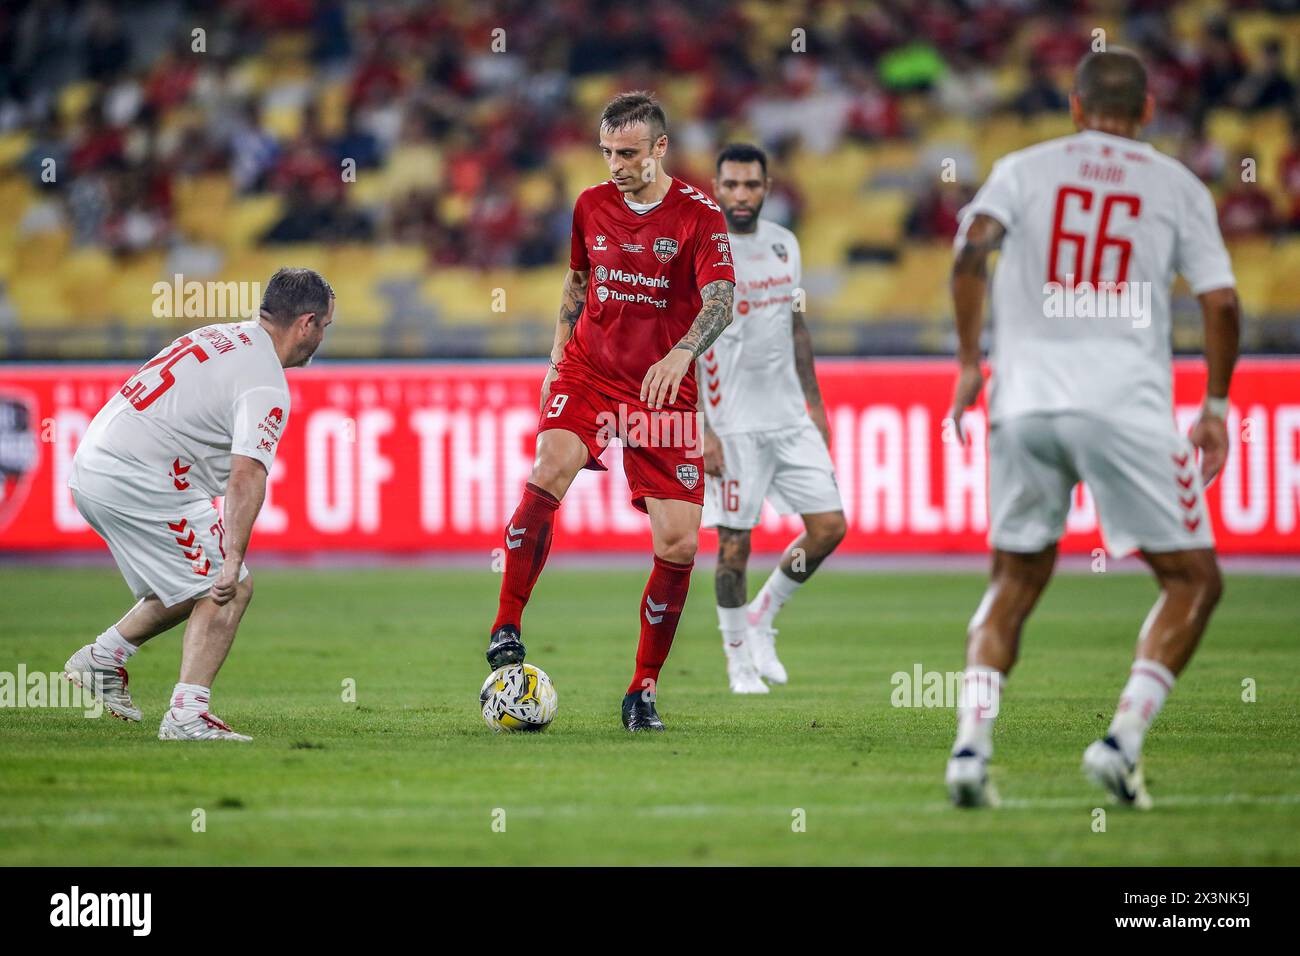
x=223, y=589
x=711, y=446
x=664, y=377
x=970, y=379
x=1210, y=435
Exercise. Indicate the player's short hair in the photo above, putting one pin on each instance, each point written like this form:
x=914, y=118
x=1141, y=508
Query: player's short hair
x=741, y=153
x=291, y=292
x=637, y=106
x=1112, y=83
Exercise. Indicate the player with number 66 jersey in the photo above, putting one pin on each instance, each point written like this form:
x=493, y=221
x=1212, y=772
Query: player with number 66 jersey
x=1092, y=229
x=202, y=419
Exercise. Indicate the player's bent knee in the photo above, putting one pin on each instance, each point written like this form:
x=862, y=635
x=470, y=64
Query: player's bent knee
x=679, y=550
x=1195, y=578
x=832, y=529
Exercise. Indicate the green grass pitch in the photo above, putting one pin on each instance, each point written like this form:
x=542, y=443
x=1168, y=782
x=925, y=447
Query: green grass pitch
x=409, y=774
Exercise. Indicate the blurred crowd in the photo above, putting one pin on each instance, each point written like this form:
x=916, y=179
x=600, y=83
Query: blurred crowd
x=425, y=79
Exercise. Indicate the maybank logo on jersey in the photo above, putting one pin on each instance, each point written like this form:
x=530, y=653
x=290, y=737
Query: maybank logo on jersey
x=1100, y=300
x=604, y=292
x=636, y=278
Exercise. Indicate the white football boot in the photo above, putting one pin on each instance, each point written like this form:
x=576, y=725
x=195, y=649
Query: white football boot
x=106, y=681
x=186, y=725
x=761, y=642
x=1107, y=767
x=741, y=673
x=968, y=781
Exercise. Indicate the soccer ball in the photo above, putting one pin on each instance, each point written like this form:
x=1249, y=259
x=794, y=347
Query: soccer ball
x=518, y=697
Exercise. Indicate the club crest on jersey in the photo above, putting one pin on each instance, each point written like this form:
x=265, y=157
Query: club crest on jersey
x=665, y=249
x=780, y=250
x=688, y=475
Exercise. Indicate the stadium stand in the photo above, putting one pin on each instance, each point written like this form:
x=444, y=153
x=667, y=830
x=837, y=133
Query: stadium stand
x=431, y=176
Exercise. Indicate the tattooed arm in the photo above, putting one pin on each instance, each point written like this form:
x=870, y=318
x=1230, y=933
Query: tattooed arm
x=664, y=377
x=969, y=285
x=572, y=301
x=715, y=315
x=803, y=366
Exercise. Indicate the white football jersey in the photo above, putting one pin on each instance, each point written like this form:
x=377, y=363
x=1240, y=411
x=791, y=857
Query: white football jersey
x=1096, y=227
x=166, y=438
x=748, y=378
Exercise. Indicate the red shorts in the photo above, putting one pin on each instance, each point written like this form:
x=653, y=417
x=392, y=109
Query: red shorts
x=661, y=449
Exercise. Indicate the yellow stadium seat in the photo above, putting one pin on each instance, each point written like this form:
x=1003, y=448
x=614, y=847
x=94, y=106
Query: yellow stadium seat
x=37, y=299
x=42, y=251
x=332, y=104
x=861, y=295
x=682, y=94
x=1252, y=29
x=87, y=274
x=1284, y=291
x=536, y=190
x=581, y=166
x=201, y=205
x=393, y=260
x=921, y=282
x=246, y=220
x=74, y=100
x=877, y=218
x=284, y=122
x=414, y=167
x=459, y=296
x=591, y=93
x=1253, y=265
x=299, y=255
x=133, y=297
x=12, y=146
x=356, y=301
x=533, y=295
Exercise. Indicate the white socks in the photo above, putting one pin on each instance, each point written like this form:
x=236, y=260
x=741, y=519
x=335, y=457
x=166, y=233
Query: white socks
x=977, y=707
x=779, y=588
x=1149, y=683
x=112, y=648
x=190, y=698
x=732, y=622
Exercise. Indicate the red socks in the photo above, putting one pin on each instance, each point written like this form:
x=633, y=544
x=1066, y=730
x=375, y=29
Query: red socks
x=528, y=541
x=661, y=606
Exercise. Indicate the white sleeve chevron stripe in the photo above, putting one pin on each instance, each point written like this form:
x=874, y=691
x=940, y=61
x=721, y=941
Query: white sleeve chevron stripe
x=698, y=196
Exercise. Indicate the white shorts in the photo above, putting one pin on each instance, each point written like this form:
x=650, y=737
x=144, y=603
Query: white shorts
x=1146, y=483
x=791, y=468
x=171, y=556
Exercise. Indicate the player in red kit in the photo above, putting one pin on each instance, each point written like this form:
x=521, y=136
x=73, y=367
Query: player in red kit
x=649, y=288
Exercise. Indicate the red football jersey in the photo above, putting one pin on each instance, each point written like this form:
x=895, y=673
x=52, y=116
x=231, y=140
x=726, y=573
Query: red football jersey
x=646, y=274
